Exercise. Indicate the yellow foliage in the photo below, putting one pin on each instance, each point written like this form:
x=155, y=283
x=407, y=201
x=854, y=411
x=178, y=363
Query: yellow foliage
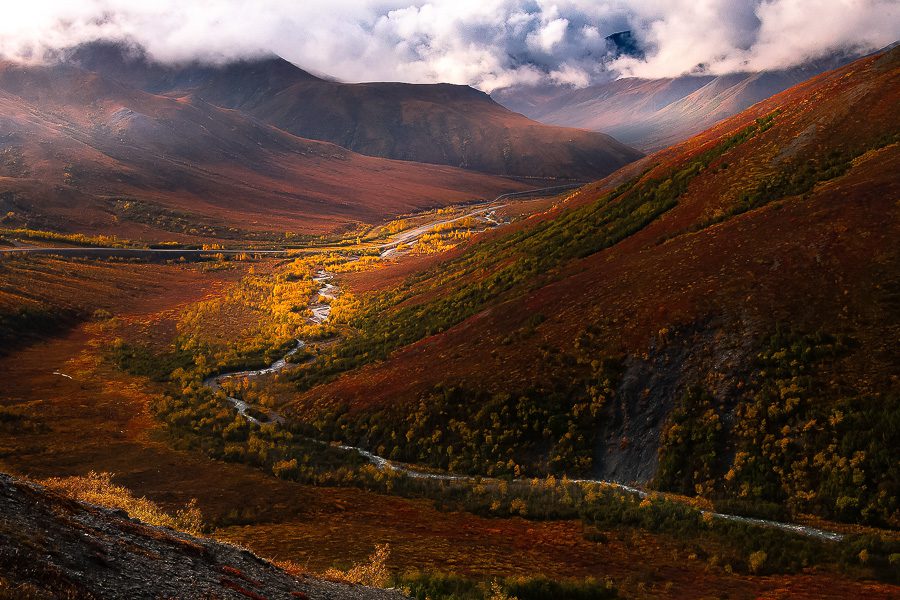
x=397, y=226
x=497, y=592
x=519, y=506
x=262, y=311
x=341, y=264
x=757, y=560
x=98, y=488
x=445, y=236
x=373, y=573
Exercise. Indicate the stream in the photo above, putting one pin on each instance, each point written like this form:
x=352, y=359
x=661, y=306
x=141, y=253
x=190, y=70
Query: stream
x=320, y=313
x=214, y=382
x=385, y=464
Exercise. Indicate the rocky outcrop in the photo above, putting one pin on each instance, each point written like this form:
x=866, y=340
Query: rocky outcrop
x=55, y=547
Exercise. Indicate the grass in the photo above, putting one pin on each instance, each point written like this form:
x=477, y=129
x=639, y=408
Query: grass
x=75, y=239
x=174, y=221
x=793, y=179
x=41, y=296
x=373, y=573
x=435, y=585
x=199, y=419
x=98, y=488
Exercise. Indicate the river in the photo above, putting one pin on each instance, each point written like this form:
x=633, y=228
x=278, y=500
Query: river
x=320, y=313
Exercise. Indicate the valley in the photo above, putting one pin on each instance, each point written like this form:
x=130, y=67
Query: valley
x=68, y=384
x=651, y=114
x=268, y=332
x=315, y=526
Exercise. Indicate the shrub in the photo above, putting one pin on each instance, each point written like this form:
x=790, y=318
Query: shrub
x=444, y=586
x=756, y=561
x=98, y=488
x=373, y=573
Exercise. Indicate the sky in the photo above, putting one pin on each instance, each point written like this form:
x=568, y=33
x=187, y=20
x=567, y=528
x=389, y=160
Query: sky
x=489, y=44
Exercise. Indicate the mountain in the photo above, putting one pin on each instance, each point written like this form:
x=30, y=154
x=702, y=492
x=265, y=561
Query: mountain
x=52, y=546
x=651, y=114
x=719, y=318
x=82, y=152
x=625, y=44
x=438, y=124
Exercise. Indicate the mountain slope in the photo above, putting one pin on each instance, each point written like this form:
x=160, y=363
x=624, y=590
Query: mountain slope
x=752, y=265
x=76, y=148
x=654, y=113
x=439, y=124
x=53, y=546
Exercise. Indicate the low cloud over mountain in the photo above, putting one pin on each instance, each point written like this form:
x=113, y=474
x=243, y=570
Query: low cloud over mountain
x=489, y=43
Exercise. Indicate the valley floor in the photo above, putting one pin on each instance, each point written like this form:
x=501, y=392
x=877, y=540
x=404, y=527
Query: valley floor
x=69, y=411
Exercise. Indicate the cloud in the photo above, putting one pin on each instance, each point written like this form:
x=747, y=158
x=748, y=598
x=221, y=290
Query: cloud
x=486, y=43
x=548, y=36
x=721, y=37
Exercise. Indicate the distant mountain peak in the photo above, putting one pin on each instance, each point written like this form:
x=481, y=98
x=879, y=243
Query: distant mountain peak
x=624, y=43
x=133, y=65
x=106, y=51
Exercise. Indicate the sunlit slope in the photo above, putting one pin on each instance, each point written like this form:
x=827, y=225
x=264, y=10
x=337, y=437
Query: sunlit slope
x=654, y=113
x=758, y=255
x=81, y=152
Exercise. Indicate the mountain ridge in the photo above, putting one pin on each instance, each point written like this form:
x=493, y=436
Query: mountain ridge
x=74, y=141
x=51, y=544
x=654, y=113
x=432, y=123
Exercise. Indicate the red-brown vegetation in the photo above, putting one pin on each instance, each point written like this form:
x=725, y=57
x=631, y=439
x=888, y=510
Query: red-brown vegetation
x=763, y=266
x=92, y=155
x=99, y=421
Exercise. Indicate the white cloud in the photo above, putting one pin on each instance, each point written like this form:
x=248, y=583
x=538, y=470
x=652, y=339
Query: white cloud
x=548, y=36
x=567, y=74
x=718, y=36
x=487, y=43
x=783, y=36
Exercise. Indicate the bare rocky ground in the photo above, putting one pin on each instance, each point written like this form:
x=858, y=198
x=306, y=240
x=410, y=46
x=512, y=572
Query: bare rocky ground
x=54, y=547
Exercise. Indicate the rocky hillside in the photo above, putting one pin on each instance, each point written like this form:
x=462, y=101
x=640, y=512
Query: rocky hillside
x=54, y=547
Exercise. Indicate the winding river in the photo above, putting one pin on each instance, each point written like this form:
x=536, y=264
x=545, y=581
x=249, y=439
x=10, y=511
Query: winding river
x=321, y=310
